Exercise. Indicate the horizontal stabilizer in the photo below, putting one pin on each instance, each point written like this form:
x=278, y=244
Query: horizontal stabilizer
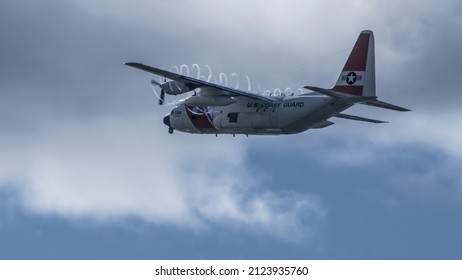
x=356, y=118
x=384, y=105
x=345, y=97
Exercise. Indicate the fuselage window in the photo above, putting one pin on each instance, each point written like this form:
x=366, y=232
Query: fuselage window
x=233, y=117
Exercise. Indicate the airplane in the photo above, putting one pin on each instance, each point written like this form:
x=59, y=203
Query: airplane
x=219, y=109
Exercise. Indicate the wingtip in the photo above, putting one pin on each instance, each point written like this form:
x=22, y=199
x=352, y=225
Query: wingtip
x=402, y=109
x=134, y=64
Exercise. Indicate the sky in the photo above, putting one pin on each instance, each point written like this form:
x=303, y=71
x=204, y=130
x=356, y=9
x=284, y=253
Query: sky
x=89, y=171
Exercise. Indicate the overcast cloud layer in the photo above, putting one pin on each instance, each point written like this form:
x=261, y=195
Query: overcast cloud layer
x=82, y=138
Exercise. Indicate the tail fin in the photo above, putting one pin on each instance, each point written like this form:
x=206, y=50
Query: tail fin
x=358, y=74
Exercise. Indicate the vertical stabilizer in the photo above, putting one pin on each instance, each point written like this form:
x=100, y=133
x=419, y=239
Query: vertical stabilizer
x=358, y=74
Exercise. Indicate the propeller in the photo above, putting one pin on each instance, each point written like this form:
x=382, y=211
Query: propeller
x=162, y=92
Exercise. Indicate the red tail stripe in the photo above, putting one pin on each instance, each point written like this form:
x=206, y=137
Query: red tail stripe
x=354, y=90
x=358, y=56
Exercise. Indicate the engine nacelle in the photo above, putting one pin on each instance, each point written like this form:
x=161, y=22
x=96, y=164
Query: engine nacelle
x=208, y=100
x=175, y=88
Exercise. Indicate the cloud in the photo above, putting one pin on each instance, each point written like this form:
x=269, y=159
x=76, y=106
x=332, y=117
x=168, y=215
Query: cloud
x=82, y=138
x=442, y=131
x=418, y=155
x=364, y=142
x=116, y=168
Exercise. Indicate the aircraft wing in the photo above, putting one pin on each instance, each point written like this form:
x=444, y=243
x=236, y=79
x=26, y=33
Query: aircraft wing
x=196, y=83
x=356, y=118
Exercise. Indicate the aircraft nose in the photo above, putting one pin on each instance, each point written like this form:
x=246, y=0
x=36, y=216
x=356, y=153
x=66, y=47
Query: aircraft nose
x=167, y=120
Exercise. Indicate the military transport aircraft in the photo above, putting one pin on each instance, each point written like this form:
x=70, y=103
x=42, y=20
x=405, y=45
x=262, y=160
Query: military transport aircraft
x=219, y=109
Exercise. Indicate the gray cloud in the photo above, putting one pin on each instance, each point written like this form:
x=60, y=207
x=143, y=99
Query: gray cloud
x=81, y=134
x=82, y=137
x=116, y=168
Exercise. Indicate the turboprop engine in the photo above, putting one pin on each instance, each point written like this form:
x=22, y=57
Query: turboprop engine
x=175, y=88
x=170, y=88
x=207, y=100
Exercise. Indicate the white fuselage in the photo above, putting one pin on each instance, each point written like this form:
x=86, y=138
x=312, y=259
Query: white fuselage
x=219, y=109
x=290, y=114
